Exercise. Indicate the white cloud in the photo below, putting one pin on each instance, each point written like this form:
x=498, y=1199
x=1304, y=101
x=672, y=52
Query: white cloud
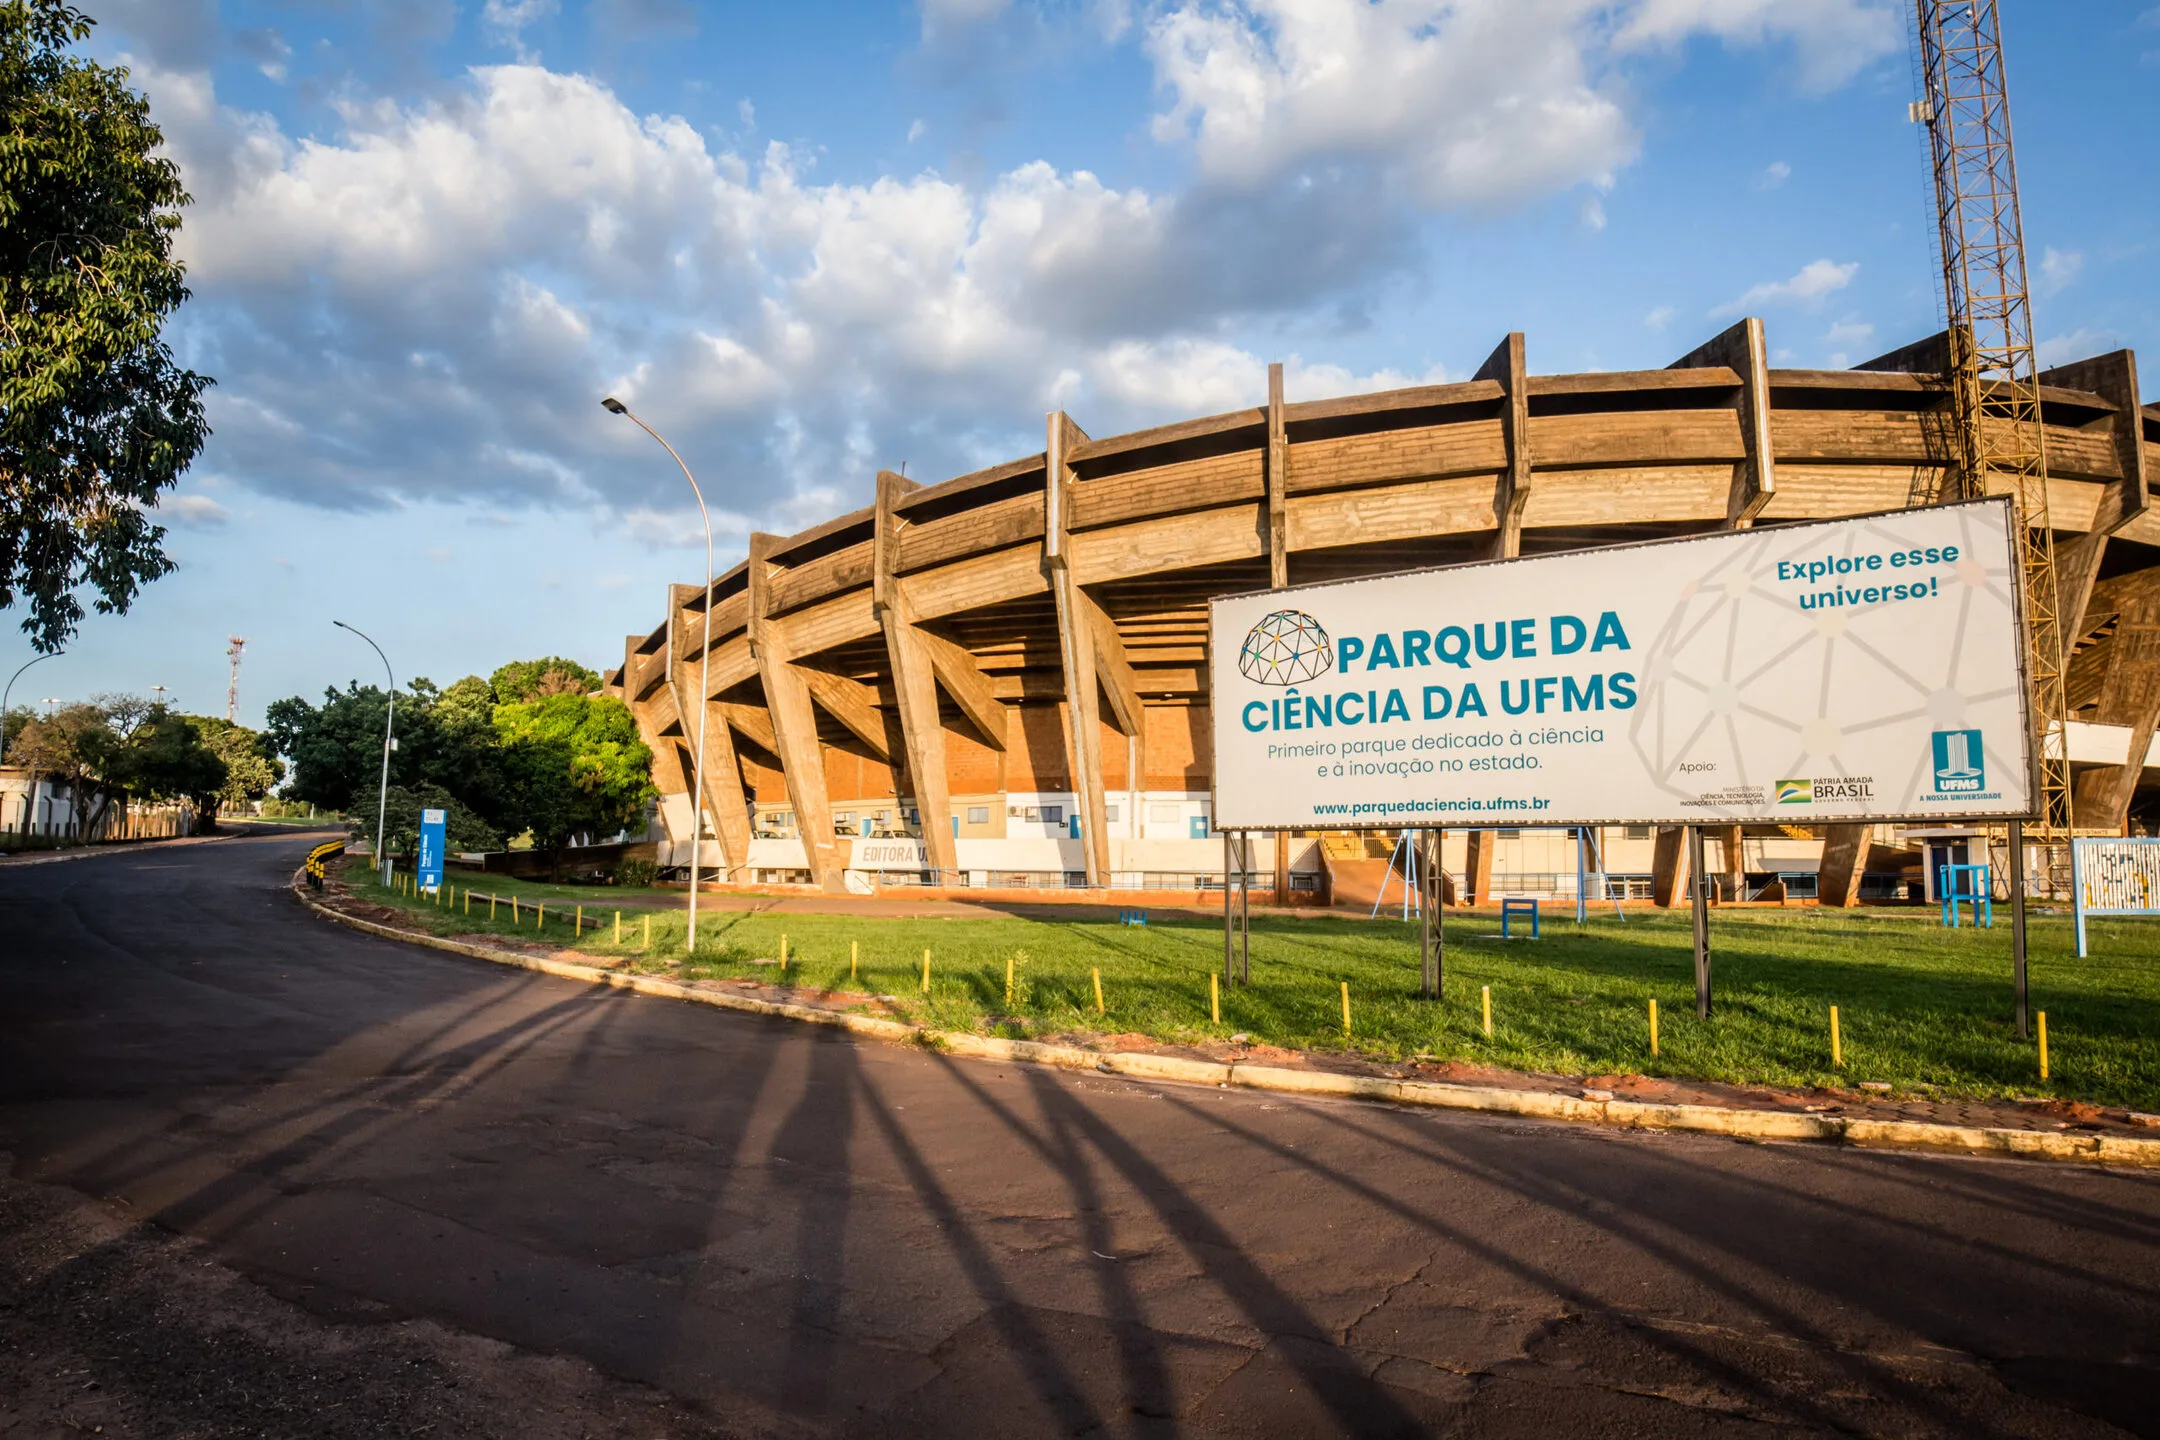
x=506, y=20
x=1851, y=330
x=1459, y=102
x=940, y=15
x=1659, y=318
x=2058, y=268
x=2079, y=344
x=1776, y=173
x=1808, y=285
x=428, y=298
x=1834, y=39
x=1593, y=213
x=193, y=510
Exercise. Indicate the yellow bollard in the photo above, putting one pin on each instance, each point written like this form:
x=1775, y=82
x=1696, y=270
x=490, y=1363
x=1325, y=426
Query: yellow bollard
x=1486, y=1000
x=468, y=900
x=2042, y=1014
x=926, y=972
x=1345, y=1009
x=852, y=958
x=783, y=956
x=1099, y=1010
x=1837, y=1048
x=1008, y=981
x=1214, y=996
x=1653, y=1025
x=580, y=930
x=648, y=932
x=618, y=927
x=516, y=918
x=491, y=907
x=539, y=914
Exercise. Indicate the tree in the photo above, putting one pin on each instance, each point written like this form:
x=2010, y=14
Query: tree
x=96, y=419
x=250, y=769
x=523, y=680
x=463, y=831
x=573, y=765
x=165, y=759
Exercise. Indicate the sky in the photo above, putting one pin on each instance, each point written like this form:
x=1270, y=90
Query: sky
x=807, y=241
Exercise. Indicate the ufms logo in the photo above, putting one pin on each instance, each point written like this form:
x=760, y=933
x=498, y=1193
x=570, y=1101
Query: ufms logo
x=1796, y=792
x=1960, y=762
x=1287, y=647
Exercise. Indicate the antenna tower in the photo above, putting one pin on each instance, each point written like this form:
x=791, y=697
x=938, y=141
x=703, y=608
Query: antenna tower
x=232, y=685
x=1995, y=392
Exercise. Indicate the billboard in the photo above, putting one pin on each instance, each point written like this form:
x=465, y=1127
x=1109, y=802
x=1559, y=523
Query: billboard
x=1846, y=670
x=428, y=866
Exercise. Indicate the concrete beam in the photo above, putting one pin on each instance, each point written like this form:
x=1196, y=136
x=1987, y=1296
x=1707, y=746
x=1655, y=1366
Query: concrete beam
x=794, y=720
x=914, y=682
x=1507, y=366
x=1844, y=861
x=2114, y=378
x=723, y=796
x=1277, y=471
x=1077, y=644
x=1669, y=867
x=1741, y=350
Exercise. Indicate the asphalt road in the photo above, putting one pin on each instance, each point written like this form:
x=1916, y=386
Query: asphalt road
x=781, y=1230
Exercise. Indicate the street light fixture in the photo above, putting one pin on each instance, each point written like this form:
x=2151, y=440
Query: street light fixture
x=9, y=689
x=382, y=802
x=697, y=768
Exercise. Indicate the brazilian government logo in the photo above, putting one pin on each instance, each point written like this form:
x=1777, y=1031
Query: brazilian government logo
x=1796, y=792
x=1286, y=648
x=1960, y=763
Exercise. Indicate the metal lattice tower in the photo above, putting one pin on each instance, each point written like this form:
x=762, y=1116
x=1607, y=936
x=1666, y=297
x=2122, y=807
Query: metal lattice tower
x=1999, y=443
x=232, y=685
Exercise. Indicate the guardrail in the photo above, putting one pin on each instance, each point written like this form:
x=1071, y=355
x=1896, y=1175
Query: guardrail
x=318, y=859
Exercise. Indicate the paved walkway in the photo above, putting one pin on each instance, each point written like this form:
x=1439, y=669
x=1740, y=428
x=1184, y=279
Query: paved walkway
x=790, y=1232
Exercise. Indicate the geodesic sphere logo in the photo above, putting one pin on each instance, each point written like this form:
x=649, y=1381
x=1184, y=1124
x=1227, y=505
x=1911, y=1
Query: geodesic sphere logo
x=1286, y=648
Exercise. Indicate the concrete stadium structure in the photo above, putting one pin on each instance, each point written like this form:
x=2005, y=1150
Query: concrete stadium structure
x=1001, y=679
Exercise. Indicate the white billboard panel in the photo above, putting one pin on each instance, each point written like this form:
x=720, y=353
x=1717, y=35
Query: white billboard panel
x=1860, y=669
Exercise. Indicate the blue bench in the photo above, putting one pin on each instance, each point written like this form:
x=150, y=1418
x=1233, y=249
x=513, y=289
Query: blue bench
x=1511, y=909
x=1132, y=917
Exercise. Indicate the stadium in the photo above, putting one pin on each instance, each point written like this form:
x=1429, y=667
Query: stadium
x=999, y=682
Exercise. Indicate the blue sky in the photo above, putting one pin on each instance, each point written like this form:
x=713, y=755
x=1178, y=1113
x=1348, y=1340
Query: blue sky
x=813, y=239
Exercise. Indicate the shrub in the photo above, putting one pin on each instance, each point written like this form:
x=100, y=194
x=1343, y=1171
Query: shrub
x=636, y=874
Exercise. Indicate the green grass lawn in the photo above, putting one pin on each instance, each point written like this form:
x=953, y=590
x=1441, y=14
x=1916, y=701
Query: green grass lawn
x=1920, y=1006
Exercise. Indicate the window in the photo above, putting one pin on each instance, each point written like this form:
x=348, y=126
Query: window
x=1053, y=814
x=978, y=815
x=845, y=817
x=1508, y=832
x=1031, y=813
x=1638, y=832
x=1160, y=813
x=1110, y=812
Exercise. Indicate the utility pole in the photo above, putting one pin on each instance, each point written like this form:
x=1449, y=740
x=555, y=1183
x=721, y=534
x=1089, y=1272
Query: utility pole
x=232, y=686
x=1994, y=382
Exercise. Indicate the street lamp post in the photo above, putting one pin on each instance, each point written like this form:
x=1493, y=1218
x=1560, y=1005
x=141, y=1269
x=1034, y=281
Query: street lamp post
x=382, y=800
x=7, y=691
x=697, y=768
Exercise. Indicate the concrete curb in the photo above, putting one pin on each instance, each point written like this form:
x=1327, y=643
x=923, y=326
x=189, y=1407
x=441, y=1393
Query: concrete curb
x=123, y=847
x=1489, y=1100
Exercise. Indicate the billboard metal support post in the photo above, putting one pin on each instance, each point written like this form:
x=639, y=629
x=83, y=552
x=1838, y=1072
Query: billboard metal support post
x=1228, y=918
x=1245, y=905
x=1429, y=906
x=1702, y=922
x=2017, y=917
x=1582, y=876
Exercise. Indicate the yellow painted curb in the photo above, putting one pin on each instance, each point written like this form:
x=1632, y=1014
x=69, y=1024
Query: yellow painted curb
x=1485, y=1099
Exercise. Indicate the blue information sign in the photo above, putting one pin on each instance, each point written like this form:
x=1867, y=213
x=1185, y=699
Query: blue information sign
x=429, y=869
